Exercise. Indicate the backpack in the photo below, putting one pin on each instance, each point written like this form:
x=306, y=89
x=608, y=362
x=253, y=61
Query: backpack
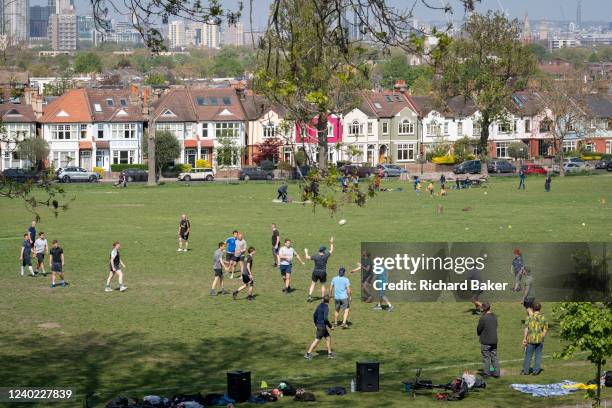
x=122, y=402
x=286, y=388
x=178, y=399
x=304, y=396
x=459, y=388
x=608, y=378
x=336, y=391
x=155, y=401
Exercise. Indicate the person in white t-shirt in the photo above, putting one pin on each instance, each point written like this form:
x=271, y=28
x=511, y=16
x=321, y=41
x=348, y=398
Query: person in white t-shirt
x=40, y=249
x=285, y=257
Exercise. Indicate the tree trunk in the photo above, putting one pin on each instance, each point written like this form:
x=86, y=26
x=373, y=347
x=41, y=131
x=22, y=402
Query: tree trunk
x=484, y=144
x=322, y=140
x=559, y=157
x=152, y=179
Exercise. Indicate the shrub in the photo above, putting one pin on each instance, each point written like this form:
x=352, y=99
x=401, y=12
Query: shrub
x=100, y=171
x=267, y=165
x=120, y=167
x=184, y=168
x=446, y=159
x=285, y=166
x=201, y=163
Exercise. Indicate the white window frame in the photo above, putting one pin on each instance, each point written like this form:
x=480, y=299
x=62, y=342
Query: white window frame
x=434, y=129
x=608, y=146
x=385, y=128
x=370, y=128
x=476, y=129
x=569, y=145
x=269, y=131
x=460, y=128
x=231, y=129
x=405, y=127
x=405, y=152
x=12, y=130
x=177, y=129
x=63, y=132
x=354, y=128
x=501, y=150
x=129, y=159
x=123, y=131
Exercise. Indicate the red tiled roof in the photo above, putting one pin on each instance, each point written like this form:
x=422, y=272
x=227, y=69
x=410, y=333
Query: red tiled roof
x=71, y=107
x=206, y=143
x=199, y=104
x=191, y=143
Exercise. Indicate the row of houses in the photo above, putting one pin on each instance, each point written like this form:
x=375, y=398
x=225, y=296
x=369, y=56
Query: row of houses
x=93, y=127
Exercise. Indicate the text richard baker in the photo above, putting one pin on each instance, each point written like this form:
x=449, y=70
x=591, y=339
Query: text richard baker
x=440, y=285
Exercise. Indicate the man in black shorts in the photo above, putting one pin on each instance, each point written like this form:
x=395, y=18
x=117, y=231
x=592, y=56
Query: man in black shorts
x=183, y=233
x=218, y=266
x=275, y=244
x=247, y=275
x=321, y=321
x=56, y=262
x=319, y=272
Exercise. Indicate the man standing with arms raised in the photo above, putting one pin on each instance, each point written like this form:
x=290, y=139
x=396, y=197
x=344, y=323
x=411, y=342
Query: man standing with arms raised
x=319, y=272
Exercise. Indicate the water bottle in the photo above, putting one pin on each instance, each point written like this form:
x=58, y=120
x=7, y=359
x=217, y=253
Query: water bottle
x=352, y=385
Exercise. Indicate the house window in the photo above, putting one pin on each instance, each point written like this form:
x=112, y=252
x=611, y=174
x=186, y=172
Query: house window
x=204, y=154
x=445, y=128
x=609, y=124
x=527, y=126
x=83, y=131
x=460, y=129
x=17, y=130
x=63, y=159
x=63, y=132
x=177, y=129
x=123, y=156
x=501, y=149
x=506, y=127
x=405, y=151
x=123, y=130
x=434, y=129
x=570, y=127
x=287, y=154
x=570, y=145
x=100, y=133
x=204, y=129
x=589, y=147
x=406, y=127
x=269, y=130
x=545, y=126
x=229, y=129
x=190, y=157
x=354, y=128
x=476, y=129
x=385, y=128
x=370, y=128
x=609, y=147
x=330, y=130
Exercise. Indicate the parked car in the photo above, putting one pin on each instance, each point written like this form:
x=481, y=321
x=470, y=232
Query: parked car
x=391, y=170
x=574, y=167
x=609, y=167
x=572, y=160
x=73, y=173
x=197, y=174
x=468, y=166
x=361, y=171
x=20, y=175
x=533, y=169
x=135, y=174
x=501, y=166
x=255, y=173
x=602, y=164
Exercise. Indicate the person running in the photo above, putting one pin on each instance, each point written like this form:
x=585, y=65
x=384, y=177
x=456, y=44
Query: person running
x=442, y=181
x=430, y=189
x=321, y=321
x=342, y=292
x=32, y=232
x=240, y=250
x=536, y=329
x=40, y=249
x=115, y=266
x=56, y=263
x=247, y=275
x=25, y=255
x=319, y=272
x=218, y=266
x=183, y=233
x=230, y=248
x=487, y=332
x=517, y=269
x=275, y=245
x=521, y=179
x=285, y=257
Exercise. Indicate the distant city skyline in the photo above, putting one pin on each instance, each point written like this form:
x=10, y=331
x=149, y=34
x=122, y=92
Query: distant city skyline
x=551, y=10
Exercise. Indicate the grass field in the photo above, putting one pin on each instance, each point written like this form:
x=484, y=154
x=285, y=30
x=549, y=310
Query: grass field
x=166, y=335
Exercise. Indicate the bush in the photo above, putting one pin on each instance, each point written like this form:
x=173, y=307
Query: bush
x=100, y=171
x=120, y=167
x=606, y=156
x=285, y=166
x=446, y=159
x=184, y=168
x=267, y=165
x=203, y=164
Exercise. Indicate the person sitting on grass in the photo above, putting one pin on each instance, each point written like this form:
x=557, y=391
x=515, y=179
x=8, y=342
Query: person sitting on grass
x=321, y=321
x=247, y=275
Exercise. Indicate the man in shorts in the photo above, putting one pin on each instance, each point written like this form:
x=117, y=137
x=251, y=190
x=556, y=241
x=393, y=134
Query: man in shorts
x=367, y=276
x=230, y=247
x=321, y=321
x=285, y=256
x=32, y=232
x=25, y=255
x=247, y=275
x=115, y=266
x=529, y=292
x=40, y=249
x=319, y=272
x=275, y=244
x=240, y=251
x=56, y=263
x=183, y=233
x=342, y=292
x=219, y=265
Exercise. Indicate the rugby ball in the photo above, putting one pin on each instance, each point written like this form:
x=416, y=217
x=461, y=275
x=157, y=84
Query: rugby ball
x=342, y=221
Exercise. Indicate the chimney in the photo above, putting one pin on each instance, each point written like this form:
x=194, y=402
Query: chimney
x=241, y=93
x=400, y=85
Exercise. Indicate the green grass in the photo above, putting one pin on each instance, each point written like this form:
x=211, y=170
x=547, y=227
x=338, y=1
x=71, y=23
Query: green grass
x=167, y=335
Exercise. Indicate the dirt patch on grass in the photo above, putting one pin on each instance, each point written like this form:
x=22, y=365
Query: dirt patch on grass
x=49, y=326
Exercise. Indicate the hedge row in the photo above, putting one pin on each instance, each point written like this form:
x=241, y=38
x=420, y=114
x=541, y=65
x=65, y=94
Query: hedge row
x=121, y=167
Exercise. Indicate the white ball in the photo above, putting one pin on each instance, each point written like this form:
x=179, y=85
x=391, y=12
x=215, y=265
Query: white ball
x=342, y=221
x=485, y=193
x=584, y=224
x=509, y=226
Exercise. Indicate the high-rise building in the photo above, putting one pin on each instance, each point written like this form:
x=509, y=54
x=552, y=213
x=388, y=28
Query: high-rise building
x=579, y=13
x=543, y=30
x=63, y=6
x=233, y=34
x=176, y=34
x=85, y=27
x=63, y=31
x=14, y=20
x=526, y=35
x=39, y=21
x=211, y=36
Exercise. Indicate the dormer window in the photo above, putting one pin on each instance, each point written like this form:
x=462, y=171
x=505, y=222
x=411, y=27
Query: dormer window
x=109, y=102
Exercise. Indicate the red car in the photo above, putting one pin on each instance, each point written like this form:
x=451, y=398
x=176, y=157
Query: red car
x=533, y=169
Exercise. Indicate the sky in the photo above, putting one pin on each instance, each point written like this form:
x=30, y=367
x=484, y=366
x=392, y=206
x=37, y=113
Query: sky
x=592, y=10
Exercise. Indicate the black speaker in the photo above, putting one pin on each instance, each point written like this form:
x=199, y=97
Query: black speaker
x=239, y=385
x=367, y=376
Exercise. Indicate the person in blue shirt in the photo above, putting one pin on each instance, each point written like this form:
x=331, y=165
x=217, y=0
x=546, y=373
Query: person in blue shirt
x=25, y=254
x=321, y=321
x=230, y=248
x=32, y=232
x=343, y=293
x=521, y=179
x=517, y=269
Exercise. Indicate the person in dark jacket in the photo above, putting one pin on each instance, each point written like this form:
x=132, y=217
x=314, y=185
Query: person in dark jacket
x=487, y=331
x=442, y=181
x=321, y=321
x=282, y=193
x=547, y=183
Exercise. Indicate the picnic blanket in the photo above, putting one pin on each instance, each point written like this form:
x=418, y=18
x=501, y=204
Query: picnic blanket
x=565, y=387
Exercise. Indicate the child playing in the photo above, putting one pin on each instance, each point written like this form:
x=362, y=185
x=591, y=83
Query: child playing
x=430, y=188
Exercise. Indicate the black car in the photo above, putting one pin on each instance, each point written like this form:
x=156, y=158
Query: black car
x=20, y=175
x=361, y=171
x=603, y=164
x=135, y=174
x=468, y=166
x=609, y=167
x=255, y=173
x=501, y=166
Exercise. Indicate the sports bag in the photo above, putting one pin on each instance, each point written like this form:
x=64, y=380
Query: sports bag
x=122, y=402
